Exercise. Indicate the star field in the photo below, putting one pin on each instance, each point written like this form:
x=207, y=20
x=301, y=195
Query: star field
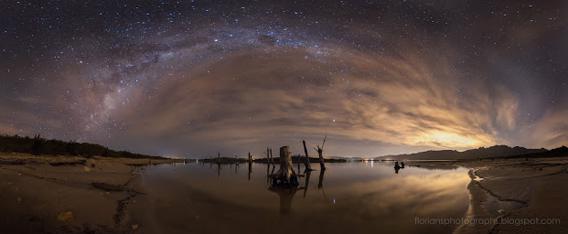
x=197, y=77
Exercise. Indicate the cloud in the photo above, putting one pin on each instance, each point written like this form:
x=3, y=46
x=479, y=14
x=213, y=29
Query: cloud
x=260, y=96
x=507, y=107
x=550, y=131
x=371, y=87
x=164, y=100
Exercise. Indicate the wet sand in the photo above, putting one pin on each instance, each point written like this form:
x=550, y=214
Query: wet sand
x=55, y=194
x=518, y=190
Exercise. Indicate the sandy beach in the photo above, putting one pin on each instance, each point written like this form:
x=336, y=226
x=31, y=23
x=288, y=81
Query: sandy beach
x=523, y=195
x=56, y=194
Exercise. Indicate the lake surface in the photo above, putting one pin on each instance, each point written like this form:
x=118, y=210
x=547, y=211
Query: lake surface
x=346, y=198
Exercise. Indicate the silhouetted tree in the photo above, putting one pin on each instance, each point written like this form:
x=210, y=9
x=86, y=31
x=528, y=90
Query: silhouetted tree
x=71, y=148
x=37, y=145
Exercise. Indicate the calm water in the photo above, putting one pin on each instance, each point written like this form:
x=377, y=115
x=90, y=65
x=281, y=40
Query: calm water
x=347, y=198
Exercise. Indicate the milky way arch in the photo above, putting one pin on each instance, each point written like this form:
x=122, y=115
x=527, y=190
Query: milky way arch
x=238, y=78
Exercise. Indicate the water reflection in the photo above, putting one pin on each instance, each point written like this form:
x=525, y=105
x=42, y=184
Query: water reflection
x=249, y=169
x=320, y=182
x=286, y=182
x=356, y=198
x=307, y=182
x=218, y=169
x=285, y=196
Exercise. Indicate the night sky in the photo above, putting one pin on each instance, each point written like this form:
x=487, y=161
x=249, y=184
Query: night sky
x=196, y=77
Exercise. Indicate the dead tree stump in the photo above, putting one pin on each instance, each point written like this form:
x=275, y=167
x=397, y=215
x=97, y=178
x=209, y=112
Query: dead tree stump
x=307, y=161
x=285, y=176
x=320, y=154
x=321, y=159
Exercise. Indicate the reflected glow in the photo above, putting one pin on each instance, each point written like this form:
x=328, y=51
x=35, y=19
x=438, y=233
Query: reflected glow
x=428, y=193
x=345, y=198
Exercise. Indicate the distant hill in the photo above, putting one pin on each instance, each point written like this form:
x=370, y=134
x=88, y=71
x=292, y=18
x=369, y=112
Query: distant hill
x=557, y=152
x=295, y=159
x=40, y=146
x=497, y=151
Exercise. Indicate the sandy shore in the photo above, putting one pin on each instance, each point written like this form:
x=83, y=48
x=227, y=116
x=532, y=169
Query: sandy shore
x=55, y=194
x=518, y=195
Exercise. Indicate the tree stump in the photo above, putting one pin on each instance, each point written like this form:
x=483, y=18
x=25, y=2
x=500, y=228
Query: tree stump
x=321, y=159
x=307, y=161
x=285, y=176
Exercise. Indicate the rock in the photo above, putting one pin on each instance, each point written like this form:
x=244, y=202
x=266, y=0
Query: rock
x=65, y=216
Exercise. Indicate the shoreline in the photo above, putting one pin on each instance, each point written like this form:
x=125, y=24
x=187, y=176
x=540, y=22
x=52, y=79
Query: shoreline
x=80, y=194
x=75, y=191
x=514, y=190
x=477, y=210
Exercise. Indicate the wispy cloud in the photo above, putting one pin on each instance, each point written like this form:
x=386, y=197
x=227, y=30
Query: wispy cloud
x=255, y=97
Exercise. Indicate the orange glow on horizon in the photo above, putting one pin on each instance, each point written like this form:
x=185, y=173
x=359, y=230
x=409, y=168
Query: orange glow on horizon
x=451, y=140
